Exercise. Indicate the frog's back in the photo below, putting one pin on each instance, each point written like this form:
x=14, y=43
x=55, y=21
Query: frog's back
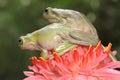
x=51, y=31
x=56, y=27
x=48, y=36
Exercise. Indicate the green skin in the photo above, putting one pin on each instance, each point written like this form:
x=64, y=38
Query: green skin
x=46, y=39
x=51, y=37
x=61, y=36
x=84, y=33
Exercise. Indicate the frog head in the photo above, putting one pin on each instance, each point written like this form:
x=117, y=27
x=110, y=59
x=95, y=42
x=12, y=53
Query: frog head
x=54, y=15
x=61, y=15
x=27, y=42
x=51, y=15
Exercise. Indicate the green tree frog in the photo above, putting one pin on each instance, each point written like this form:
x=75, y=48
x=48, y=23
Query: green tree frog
x=47, y=38
x=84, y=33
x=83, y=29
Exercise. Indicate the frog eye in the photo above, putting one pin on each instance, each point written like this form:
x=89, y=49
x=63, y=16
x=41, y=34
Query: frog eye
x=20, y=41
x=46, y=10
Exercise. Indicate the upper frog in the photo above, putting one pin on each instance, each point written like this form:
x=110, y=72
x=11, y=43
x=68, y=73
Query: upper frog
x=72, y=19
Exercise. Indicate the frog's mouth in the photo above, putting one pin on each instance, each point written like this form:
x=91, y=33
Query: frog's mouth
x=52, y=20
x=31, y=47
x=27, y=47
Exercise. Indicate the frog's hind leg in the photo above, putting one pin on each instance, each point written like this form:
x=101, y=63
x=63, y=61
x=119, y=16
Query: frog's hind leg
x=78, y=38
x=64, y=47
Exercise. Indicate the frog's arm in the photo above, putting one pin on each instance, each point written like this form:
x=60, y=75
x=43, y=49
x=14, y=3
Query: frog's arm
x=61, y=48
x=64, y=47
x=44, y=53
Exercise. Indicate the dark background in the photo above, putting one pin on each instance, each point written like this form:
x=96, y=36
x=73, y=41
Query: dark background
x=19, y=17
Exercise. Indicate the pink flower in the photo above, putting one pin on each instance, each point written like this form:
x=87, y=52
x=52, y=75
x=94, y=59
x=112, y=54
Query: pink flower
x=82, y=63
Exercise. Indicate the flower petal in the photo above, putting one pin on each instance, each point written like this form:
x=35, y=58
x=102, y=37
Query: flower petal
x=81, y=63
x=28, y=73
x=35, y=78
x=113, y=65
x=107, y=72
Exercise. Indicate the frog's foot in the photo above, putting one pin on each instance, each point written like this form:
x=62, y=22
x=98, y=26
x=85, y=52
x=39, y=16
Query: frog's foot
x=46, y=54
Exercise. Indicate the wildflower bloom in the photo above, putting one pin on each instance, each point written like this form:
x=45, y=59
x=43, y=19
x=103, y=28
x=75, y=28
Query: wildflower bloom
x=81, y=63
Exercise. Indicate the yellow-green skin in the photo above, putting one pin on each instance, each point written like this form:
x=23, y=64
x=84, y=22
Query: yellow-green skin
x=84, y=32
x=46, y=39
x=83, y=29
x=51, y=37
x=60, y=36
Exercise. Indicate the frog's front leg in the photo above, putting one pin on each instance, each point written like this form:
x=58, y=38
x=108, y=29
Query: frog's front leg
x=61, y=48
x=44, y=53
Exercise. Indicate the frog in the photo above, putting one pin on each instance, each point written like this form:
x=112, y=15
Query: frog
x=84, y=32
x=46, y=39
x=83, y=28
x=56, y=36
